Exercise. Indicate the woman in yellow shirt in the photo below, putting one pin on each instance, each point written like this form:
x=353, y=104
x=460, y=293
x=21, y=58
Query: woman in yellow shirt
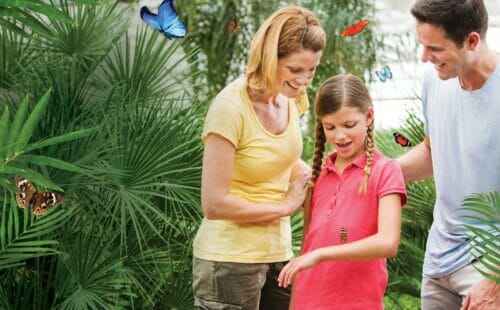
x=252, y=153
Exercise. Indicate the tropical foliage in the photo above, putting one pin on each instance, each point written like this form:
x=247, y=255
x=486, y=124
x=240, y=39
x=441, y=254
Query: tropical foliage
x=18, y=15
x=484, y=208
x=109, y=114
x=117, y=135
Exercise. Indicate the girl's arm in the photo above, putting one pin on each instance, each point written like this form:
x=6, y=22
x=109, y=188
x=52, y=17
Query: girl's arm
x=217, y=204
x=384, y=243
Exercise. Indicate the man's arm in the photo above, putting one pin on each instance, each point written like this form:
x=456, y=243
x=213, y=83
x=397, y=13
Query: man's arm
x=417, y=163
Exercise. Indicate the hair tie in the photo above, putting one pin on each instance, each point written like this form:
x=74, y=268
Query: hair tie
x=367, y=170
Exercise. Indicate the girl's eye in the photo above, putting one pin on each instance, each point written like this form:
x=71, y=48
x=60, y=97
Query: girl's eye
x=295, y=70
x=329, y=128
x=350, y=125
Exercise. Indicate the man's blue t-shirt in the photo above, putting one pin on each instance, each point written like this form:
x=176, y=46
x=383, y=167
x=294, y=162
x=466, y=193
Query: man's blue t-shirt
x=464, y=130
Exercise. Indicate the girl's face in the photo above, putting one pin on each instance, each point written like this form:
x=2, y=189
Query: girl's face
x=296, y=71
x=345, y=130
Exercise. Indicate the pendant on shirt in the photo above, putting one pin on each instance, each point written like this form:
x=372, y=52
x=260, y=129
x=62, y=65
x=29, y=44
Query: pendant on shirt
x=343, y=235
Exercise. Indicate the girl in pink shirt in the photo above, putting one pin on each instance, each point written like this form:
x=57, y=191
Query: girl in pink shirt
x=354, y=220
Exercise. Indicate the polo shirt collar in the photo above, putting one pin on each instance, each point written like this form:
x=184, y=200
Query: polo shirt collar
x=358, y=162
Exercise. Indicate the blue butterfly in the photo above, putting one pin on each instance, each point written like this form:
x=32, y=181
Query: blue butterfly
x=167, y=21
x=385, y=74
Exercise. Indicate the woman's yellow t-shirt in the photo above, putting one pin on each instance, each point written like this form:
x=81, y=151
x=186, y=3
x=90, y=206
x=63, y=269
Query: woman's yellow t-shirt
x=262, y=167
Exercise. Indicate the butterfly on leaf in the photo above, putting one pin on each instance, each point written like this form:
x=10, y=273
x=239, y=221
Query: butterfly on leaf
x=385, y=74
x=28, y=196
x=166, y=21
x=401, y=140
x=233, y=27
x=354, y=29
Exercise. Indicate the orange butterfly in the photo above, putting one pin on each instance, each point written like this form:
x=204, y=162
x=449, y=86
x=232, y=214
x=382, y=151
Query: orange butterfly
x=233, y=27
x=354, y=29
x=401, y=140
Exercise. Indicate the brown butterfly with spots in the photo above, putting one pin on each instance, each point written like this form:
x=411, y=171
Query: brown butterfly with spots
x=28, y=196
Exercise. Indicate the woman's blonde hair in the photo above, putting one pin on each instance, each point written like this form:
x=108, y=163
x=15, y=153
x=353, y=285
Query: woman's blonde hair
x=286, y=31
x=342, y=90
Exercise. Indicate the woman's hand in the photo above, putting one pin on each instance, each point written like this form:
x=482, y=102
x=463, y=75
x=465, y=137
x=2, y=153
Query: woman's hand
x=287, y=274
x=296, y=194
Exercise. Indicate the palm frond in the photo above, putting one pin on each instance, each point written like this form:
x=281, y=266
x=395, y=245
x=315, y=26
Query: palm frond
x=159, y=151
x=91, y=273
x=14, y=143
x=484, y=239
x=146, y=69
x=20, y=234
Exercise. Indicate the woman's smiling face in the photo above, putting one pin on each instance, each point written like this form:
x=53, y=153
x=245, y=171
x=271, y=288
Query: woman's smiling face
x=296, y=71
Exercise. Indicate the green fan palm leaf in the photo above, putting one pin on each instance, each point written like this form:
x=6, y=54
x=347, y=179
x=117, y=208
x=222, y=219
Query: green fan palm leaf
x=484, y=241
x=91, y=273
x=22, y=241
x=27, y=13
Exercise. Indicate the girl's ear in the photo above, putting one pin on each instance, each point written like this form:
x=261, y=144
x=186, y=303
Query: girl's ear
x=370, y=117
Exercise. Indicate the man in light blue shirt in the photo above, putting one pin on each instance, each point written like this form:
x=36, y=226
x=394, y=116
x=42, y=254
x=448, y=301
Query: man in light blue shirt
x=461, y=104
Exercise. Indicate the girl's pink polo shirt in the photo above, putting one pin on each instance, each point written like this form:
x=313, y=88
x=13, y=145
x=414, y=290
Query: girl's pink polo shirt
x=339, y=214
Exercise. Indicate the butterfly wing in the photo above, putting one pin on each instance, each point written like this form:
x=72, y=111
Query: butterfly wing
x=354, y=29
x=360, y=26
x=233, y=27
x=388, y=72
x=150, y=18
x=44, y=201
x=24, y=192
x=381, y=75
x=176, y=30
x=169, y=21
x=401, y=140
x=347, y=32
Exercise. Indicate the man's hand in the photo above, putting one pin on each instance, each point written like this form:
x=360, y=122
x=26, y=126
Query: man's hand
x=484, y=296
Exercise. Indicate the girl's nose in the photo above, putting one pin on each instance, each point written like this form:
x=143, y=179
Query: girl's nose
x=340, y=135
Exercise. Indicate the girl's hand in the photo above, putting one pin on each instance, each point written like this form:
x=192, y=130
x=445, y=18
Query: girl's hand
x=295, y=265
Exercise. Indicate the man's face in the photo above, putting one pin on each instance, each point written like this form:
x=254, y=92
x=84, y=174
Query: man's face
x=448, y=59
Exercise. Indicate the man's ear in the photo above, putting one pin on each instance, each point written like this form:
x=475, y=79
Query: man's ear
x=472, y=41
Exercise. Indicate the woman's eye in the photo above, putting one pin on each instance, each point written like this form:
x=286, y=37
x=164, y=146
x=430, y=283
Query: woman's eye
x=295, y=70
x=350, y=125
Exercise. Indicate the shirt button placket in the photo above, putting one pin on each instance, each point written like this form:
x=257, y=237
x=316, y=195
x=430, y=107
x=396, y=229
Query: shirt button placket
x=334, y=200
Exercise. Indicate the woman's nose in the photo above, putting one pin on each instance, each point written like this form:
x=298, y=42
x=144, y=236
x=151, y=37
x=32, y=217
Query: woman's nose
x=303, y=81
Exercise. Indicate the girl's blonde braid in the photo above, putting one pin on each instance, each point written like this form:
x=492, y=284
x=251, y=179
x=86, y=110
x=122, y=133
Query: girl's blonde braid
x=370, y=147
